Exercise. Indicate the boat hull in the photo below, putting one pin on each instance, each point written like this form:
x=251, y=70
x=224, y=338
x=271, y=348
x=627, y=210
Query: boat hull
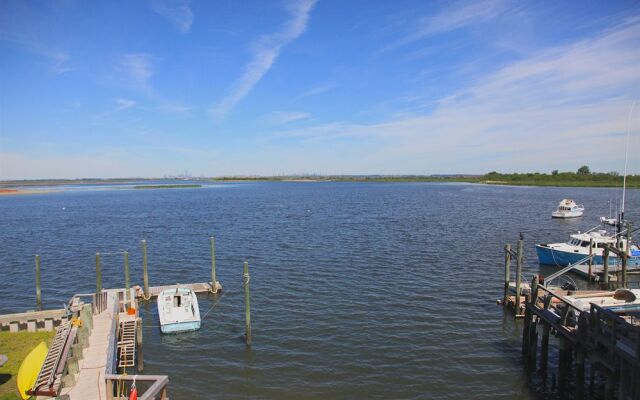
x=549, y=256
x=180, y=327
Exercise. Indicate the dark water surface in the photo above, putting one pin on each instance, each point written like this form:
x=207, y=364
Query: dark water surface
x=359, y=290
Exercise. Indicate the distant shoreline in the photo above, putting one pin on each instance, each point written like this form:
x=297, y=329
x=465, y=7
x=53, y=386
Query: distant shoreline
x=564, y=179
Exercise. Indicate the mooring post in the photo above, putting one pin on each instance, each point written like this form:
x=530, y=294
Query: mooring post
x=582, y=335
x=247, y=303
x=38, y=292
x=590, y=258
x=507, y=273
x=563, y=365
x=145, y=272
x=126, y=278
x=98, y=274
x=214, y=287
x=139, y=343
x=519, y=259
x=605, y=256
x=544, y=350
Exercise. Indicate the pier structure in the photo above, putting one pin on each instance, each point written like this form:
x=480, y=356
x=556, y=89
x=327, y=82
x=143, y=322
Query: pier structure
x=595, y=342
x=598, y=338
x=97, y=349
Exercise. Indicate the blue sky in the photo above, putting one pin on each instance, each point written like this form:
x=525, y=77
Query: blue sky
x=135, y=88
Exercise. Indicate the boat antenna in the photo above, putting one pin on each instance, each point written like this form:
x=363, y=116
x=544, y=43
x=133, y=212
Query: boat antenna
x=626, y=161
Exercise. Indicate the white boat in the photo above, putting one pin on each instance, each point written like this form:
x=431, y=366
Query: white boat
x=620, y=301
x=568, y=209
x=609, y=221
x=178, y=310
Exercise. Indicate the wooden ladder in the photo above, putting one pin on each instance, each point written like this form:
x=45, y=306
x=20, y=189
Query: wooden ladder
x=48, y=381
x=127, y=344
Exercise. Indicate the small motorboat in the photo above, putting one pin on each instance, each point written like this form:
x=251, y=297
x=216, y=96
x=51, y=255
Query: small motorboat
x=568, y=209
x=178, y=310
x=609, y=221
x=620, y=301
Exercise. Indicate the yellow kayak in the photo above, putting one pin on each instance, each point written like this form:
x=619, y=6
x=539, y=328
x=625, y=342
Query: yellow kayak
x=30, y=367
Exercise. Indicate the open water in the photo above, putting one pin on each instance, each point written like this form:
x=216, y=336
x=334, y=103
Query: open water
x=358, y=290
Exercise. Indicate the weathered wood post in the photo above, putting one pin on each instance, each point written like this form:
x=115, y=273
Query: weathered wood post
x=544, y=350
x=519, y=259
x=139, y=344
x=126, y=278
x=533, y=329
x=563, y=363
x=582, y=332
x=590, y=258
x=214, y=287
x=98, y=274
x=145, y=272
x=605, y=255
x=247, y=302
x=38, y=291
x=507, y=273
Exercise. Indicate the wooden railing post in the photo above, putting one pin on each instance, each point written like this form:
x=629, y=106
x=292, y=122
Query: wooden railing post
x=98, y=274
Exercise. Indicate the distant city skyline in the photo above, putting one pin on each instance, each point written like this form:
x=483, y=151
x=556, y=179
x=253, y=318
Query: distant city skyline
x=151, y=89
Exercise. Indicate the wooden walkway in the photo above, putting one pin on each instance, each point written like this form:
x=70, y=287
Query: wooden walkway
x=91, y=377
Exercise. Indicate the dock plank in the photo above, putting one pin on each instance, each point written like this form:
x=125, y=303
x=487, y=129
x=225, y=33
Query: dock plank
x=200, y=287
x=90, y=380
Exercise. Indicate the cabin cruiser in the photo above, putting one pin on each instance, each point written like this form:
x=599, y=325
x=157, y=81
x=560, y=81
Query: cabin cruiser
x=178, y=310
x=577, y=248
x=568, y=209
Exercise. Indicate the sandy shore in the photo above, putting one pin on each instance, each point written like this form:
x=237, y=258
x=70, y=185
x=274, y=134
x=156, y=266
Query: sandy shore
x=11, y=192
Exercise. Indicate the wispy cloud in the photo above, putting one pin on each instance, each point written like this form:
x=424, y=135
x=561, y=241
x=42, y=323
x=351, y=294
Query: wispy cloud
x=568, y=97
x=58, y=61
x=123, y=104
x=316, y=90
x=178, y=12
x=460, y=15
x=455, y=16
x=285, y=117
x=137, y=67
x=265, y=52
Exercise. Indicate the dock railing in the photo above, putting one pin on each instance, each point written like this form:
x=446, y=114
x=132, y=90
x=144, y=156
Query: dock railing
x=156, y=390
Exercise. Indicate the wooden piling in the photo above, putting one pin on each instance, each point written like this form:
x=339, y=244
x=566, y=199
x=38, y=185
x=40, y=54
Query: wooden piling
x=563, y=363
x=214, y=287
x=98, y=274
x=590, y=259
x=247, y=303
x=519, y=259
x=126, y=278
x=544, y=350
x=145, y=273
x=605, y=255
x=507, y=273
x=140, y=361
x=38, y=291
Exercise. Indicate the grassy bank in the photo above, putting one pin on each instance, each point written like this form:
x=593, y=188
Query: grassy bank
x=16, y=346
x=561, y=179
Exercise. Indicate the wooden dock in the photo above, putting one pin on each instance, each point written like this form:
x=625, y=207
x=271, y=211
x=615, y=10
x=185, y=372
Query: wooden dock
x=201, y=287
x=606, y=343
